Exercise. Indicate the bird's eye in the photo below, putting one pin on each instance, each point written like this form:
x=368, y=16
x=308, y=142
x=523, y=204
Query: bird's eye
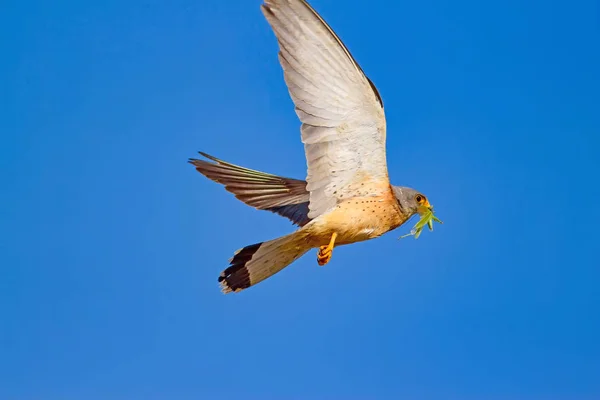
x=420, y=198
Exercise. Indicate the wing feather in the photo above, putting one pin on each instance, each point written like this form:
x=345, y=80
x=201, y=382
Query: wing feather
x=285, y=196
x=343, y=122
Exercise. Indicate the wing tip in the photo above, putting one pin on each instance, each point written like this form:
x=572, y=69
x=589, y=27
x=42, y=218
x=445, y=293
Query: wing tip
x=206, y=155
x=266, y=9
x=198, y=163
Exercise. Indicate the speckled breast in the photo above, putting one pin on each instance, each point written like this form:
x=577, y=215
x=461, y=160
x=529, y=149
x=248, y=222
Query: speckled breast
x=357, y=219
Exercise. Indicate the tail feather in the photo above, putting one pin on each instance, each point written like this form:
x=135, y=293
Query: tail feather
x=255, y=263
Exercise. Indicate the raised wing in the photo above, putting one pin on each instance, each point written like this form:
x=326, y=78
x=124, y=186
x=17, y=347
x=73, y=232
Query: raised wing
x=284, y=196
x=343, y=122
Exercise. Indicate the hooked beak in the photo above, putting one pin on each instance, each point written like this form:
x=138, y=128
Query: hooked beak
x=425, y=207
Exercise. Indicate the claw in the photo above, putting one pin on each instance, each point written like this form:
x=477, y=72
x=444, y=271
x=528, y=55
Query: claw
x=325, y=252
x=324, y=255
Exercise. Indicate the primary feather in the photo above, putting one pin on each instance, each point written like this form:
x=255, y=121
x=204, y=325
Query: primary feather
x=343, y=123
x=284, y=196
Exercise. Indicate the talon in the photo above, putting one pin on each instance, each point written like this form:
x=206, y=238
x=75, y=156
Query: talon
x=325, y=252
x=324, y=255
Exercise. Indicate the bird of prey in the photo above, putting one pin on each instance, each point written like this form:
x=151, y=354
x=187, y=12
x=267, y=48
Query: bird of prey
x=347, y=196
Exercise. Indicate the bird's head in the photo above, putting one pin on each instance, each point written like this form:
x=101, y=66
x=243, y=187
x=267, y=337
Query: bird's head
x=411, y=201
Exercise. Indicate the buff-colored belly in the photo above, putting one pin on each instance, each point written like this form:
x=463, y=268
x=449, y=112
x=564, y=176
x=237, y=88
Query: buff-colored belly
x=355, y=220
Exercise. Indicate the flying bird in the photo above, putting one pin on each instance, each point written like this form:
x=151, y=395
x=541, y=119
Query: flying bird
x=347, y=196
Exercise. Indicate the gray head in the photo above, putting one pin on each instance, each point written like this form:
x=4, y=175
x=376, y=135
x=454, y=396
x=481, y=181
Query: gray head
x=411, y=201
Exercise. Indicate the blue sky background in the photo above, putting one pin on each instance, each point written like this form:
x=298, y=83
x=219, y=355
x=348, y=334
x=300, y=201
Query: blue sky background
x=111, y=243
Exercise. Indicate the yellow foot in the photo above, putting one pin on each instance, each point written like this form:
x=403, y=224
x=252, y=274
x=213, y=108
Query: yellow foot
x=325, y=252
x=324, y=255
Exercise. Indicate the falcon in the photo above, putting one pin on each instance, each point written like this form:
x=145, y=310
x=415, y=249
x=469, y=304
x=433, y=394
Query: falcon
x=347, y=196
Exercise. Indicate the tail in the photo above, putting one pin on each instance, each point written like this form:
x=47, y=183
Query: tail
x=257, y=262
